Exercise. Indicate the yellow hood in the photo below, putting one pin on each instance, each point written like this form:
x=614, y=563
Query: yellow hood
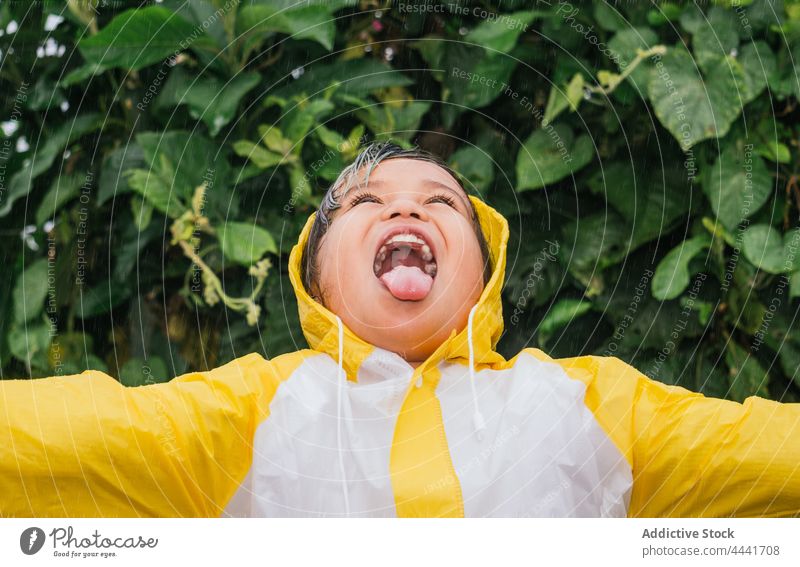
x=321, y=331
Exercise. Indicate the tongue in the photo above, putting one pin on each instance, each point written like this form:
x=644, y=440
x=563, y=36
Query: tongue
x=407, y=282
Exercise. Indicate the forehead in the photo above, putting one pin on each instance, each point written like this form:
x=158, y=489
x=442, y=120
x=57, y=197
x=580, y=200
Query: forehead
x=406, y=174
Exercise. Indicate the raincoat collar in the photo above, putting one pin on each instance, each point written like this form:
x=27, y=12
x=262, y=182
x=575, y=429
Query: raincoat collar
x=322, y=333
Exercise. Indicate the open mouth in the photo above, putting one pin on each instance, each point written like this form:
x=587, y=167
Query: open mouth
x=406, y=265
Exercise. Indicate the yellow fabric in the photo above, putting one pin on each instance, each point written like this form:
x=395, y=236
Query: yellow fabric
x=85, y=445
x=423, y=478
x=694, y=456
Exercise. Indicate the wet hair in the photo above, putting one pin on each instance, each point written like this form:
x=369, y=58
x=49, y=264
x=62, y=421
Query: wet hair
x=369, y=157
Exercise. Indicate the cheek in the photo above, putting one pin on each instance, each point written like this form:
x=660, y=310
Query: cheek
x=340, y=261
x=462, y=244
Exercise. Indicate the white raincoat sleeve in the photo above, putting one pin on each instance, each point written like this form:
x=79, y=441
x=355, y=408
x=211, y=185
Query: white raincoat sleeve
x=84, y=445
x=692, y=455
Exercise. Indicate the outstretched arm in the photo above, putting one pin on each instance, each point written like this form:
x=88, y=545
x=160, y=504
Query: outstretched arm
x=85, y=445
x=692, y=455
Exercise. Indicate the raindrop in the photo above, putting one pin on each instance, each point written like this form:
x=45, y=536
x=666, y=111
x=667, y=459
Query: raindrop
x=388, y=53
x=22, y=144
x=296, y=73
x=48, y=226
x=64, y=106
x=12, y=27
x=463, y=31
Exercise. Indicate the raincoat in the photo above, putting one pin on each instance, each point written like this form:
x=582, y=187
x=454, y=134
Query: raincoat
x=347, y=429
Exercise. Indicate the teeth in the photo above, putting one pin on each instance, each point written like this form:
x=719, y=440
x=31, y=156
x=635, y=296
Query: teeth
x=410, y=238
x=430, y=269
x=376, y=266
x=426, y=253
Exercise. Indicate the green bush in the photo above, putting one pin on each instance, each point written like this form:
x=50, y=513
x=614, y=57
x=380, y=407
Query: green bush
x=158, y=163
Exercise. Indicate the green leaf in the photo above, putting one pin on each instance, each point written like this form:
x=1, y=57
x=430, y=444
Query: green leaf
x=139, y=372
x=30, y=291
x=181, y=161
x=245, y=243
x=355, y=77
x=738, y=186
x=29, y=343
x=746, y=376
x=62, y=190
x=273, y=138
x=470, y=77
x=691, y=108
x=139, y=37
x=142, y=212
x=101, y=298
x=306, y=22
x=663, y=13
x=775, y=151
x=52, y=147
x=549, y=155
x=794, y=288
x=112, y=180
x=330, y=138
x=759, y=68
x=560, y=99
x=500, y=34
x=256, y=153
x=715, y=38
x=81, y=74
x=672, y=274
x=596, y=241
x=157, y=187
x=475, y=165
x=623, y=48
x=609, y=17
x=211, y=100
x=460, y=90
x=562, y=314
x=650, y=202
x=764, y=248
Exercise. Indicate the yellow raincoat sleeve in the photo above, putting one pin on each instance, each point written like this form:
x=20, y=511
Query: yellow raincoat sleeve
x=85, y=445
x=691, y=455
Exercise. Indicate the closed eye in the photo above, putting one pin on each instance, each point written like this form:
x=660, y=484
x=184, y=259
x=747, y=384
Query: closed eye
x=363, y=198
x=442, y=198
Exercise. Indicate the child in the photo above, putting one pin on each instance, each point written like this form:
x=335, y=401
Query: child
x=401, y=407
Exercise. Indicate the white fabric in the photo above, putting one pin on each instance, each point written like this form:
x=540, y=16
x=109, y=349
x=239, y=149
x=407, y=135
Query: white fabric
x=341, y=379
x=543, y=453
x=295, y=470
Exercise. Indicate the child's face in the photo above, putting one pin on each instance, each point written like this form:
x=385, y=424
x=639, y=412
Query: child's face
x=400, y=263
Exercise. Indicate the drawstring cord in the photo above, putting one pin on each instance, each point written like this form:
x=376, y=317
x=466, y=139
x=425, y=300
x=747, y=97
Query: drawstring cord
x=477, y=418
x=341, y=384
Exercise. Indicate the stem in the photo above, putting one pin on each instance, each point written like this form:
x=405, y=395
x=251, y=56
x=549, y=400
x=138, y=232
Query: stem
x=640, y=56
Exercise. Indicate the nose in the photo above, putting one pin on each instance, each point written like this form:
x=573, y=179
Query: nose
x=405, y=207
